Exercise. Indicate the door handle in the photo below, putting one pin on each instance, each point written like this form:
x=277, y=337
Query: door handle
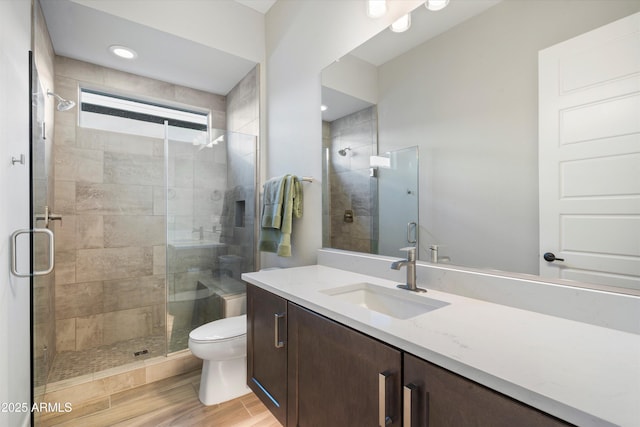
x=277, y=342
x=383, y=418
x=415, y=233
x=14, y=252
x=407, y=406
x=550, y=257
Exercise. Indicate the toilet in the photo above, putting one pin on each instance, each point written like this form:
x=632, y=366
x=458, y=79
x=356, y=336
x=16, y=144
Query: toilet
x=222, y=345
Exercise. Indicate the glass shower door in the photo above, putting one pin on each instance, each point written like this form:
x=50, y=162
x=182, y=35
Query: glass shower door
x=398, y=202
x=42, y=285
x=210, y=203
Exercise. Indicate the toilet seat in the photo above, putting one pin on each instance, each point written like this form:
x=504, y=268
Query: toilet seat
x=220, y=330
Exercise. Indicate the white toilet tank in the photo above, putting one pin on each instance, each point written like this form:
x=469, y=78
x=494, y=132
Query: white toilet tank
x=222, y=329
x=234, y=305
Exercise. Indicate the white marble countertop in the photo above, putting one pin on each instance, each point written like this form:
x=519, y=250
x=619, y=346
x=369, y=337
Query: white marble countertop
x=587, y=375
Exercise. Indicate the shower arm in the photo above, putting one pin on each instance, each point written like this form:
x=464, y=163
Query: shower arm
x=56, y=96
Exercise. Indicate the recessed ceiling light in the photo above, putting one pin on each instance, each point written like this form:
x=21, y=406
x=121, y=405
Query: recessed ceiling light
x=436, y=5
x=123, y=52
x=402, y=24
x=323, y=107
x=376, y=8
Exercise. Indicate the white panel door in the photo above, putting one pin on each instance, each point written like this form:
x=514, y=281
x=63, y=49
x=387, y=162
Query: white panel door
x=589, y=156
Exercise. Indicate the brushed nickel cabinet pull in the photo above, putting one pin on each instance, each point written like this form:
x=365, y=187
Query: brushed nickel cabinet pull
x=276, y=330
x=407, y=404
x=383, y=418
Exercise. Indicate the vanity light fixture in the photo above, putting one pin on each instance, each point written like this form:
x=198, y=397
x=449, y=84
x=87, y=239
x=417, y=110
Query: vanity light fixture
x=402, y=24
x=376, y=8
x=123, y=52
x=435, y=5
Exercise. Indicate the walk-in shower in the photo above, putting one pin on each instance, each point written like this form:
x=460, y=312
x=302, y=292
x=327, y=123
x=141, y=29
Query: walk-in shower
x=157, y=207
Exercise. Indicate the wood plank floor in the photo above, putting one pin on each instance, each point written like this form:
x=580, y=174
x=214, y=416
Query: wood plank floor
x=172, y=402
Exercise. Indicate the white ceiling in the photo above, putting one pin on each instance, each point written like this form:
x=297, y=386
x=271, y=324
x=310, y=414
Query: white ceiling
x=340, y=104
x=425, y=25
x=85, y=33
x=261, y=6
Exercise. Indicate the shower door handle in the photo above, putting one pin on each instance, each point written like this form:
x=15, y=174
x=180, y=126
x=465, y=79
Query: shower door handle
x=14, y=252
x=415, y=232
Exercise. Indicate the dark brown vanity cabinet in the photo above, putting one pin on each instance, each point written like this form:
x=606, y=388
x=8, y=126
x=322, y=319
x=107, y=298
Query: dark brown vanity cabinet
x=312, y=371
x=267, y=349
x=339, y=377
x=434, y=397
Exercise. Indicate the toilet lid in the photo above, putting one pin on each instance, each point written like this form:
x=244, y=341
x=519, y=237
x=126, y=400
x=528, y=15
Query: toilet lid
x=222, y=329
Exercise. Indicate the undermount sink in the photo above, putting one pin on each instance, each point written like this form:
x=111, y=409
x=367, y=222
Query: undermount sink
x=392, y=302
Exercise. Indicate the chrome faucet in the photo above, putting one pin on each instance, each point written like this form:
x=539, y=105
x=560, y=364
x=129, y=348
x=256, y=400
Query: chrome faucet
x=410, y=263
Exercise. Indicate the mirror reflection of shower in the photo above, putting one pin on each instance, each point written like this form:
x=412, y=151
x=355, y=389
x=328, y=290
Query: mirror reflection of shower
x=344, y=151
x=63, y=104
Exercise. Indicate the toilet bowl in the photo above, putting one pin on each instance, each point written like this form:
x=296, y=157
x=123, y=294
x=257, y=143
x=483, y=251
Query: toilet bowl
x=222, y=345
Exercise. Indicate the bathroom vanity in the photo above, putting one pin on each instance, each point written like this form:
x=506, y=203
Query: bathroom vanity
x=333, y=347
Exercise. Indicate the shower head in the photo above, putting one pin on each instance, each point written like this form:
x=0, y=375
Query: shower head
x=344, y=151
x=63, y=104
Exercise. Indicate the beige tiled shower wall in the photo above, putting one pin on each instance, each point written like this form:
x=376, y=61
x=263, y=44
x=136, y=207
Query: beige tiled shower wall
x=109, y=187
x=351, y=187
x=243, y=117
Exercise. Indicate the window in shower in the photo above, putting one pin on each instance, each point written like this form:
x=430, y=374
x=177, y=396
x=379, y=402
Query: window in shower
x=108, y=111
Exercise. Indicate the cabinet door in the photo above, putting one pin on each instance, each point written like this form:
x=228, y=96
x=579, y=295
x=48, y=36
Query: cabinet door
x=266, y=349
x=339, y=377
x=442, y=399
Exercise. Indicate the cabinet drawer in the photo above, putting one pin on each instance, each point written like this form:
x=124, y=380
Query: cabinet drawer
x=335, y=375
x=444, y=399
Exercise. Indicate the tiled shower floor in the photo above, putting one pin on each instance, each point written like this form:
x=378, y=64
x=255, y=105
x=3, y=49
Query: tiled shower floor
x=71, y=364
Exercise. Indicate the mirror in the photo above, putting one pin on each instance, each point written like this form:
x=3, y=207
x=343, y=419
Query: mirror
x=467, y=98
